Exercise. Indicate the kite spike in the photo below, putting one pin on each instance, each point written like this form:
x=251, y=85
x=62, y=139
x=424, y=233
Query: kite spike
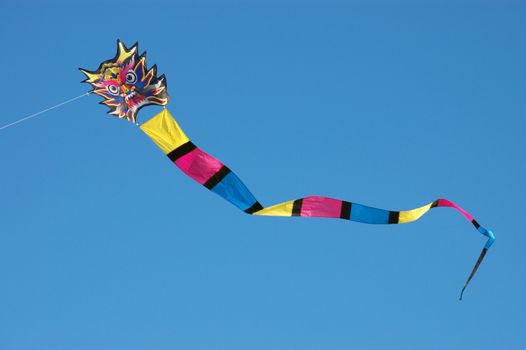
x=479, y=261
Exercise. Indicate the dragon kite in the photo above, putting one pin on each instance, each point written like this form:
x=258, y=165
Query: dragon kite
x=127, y=85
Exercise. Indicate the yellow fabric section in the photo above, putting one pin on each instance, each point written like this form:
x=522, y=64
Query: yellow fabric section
x=282, y=209
x=414, y=214
x=164, y=131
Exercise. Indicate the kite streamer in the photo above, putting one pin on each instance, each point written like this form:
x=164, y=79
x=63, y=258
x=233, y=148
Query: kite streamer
x=218, y=178
x=127, y=85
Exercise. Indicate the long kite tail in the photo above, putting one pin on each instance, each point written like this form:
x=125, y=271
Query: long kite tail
x=218, y=178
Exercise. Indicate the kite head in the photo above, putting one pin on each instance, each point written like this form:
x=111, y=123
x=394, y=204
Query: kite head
x=126, y=84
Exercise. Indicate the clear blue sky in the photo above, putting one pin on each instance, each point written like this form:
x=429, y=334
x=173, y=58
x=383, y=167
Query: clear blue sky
x=104, y=244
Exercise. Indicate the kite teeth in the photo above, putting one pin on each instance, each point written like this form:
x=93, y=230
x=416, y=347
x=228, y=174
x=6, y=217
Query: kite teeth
x=130, y=95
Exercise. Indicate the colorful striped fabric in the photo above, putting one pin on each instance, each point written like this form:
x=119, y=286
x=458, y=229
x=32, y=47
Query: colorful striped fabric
x=218, y=178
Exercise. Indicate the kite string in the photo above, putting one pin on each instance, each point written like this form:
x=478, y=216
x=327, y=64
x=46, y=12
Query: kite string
x=44, y=111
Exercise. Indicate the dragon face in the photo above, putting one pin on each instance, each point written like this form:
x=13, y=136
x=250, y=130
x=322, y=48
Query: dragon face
x=126, y=84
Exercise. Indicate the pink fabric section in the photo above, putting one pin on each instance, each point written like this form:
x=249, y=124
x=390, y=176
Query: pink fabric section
x=323, y=207
x=199, y=165
x=447, y=203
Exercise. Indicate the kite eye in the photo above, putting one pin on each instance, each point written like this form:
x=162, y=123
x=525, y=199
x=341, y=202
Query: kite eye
x=113, y=89
x=131, y=77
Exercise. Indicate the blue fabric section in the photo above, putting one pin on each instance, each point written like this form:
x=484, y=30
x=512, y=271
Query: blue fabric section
x=489, y=234
x=233, y=190
x=369, y=215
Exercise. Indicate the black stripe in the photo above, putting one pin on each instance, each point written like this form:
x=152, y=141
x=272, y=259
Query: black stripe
x=296, y=207
x=255, y=207
x=346, y=210
x=217, y=177
x=393, y=217
x=180, y=151
x=475, y=223
x=434, y=204
x=479, y=261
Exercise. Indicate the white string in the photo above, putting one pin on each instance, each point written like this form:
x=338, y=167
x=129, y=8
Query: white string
x=44, y=111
